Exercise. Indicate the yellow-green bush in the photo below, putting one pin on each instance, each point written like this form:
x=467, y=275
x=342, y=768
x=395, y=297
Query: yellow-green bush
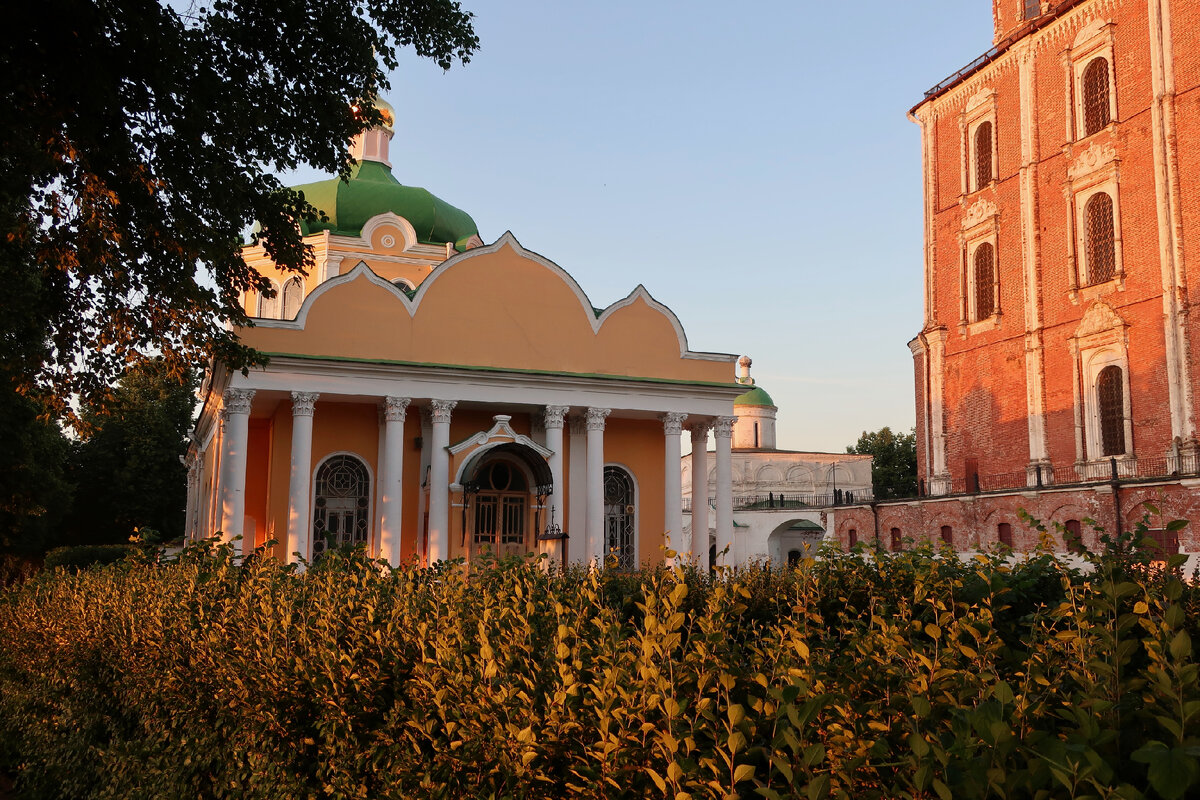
x=857, y=675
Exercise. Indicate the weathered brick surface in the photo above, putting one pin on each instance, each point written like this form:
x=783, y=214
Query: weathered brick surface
x=985, y=376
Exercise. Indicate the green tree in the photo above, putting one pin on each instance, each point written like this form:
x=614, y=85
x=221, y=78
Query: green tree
x=35, y=491
x=894, y=470
x=140, y=139
x=127, y=470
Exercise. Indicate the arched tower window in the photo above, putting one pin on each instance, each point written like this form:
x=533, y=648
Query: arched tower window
x=983, y=155
x=341, y=505
x=268, y=307
x=620, y=514
x=293, y=295
x=1110, y=400
x=1096, y=109
x=1100, y=237
x=985, y=281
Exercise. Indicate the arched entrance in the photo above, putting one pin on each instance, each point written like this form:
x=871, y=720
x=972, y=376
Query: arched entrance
x=794, y=541
x=504, y=497
x=341, y=504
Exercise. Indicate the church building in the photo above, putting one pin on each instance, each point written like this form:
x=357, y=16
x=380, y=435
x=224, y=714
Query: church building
x=431, y=397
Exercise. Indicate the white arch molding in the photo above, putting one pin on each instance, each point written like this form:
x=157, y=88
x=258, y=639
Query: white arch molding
x=372, y=531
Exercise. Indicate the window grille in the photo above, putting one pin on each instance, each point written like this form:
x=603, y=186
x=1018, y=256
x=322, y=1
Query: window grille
x=293, y=295
x=1101, y=247
x=985, y=281
x=983, y=155
x=500, y=505
x=1110, y=396
x=1033, y=8
x=1096, y=109
x=342, y=497
x=620, y=506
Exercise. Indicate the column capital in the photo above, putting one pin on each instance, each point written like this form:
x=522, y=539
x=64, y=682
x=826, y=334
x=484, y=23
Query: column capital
x=303, y=403
x=237, y=401
x=552, y=417
x=440, y=410
x=395, y=408
x=723, y=427
x=699, y=429
x=672, y=422
x=595, y=418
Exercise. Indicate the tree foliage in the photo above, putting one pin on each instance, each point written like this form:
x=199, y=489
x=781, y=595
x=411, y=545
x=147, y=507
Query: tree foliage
x=894, y=470
x=127, y=471
x=139, y=141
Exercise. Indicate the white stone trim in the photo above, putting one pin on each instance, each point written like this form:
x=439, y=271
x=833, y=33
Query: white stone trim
x=388, y=219
x=983, y=220
x=1101, y=340
x=980, y=108
x=1106, y=181
x=1094, y=40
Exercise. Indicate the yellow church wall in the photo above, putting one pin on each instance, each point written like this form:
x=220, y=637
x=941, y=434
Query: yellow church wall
x=501, y=309
x=639, y=446
x=257, y=476
x=281, y=468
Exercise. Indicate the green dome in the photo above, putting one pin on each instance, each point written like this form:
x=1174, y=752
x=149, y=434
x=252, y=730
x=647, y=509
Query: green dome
x=373, y=190
x=754, y=397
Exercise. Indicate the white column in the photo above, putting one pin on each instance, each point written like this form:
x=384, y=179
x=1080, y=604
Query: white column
x=672, y=480
x=236, y=416
x=723, y=435
x=699, y=432
x=577, y=552
x=595, y=484
x=553, y=420
x=299, y=526
x=391, y=478
x=439, y=481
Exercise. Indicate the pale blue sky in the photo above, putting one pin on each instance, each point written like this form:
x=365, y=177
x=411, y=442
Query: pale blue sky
x=752, y=165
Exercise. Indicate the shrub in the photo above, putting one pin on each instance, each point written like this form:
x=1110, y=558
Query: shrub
x=864, y=675
x=85, y=555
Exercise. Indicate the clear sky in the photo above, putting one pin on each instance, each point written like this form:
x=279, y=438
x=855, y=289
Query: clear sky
x=751, y=164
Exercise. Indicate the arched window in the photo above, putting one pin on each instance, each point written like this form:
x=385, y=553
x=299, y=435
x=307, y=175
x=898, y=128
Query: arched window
x=1110, y=402
x=1097, y=112
x=897, y=542
x=268, y=307
x=620, y=516
x=948, y=535
x=1101, y=249
x=342, y=504
x=1004, y=534
x=293, y=295
x=985, y=281
x=983, y=155
x=1073, y=536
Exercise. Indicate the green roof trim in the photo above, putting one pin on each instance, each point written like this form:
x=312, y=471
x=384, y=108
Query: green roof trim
x=755, y=397
x=372, y=190
x=501, y=370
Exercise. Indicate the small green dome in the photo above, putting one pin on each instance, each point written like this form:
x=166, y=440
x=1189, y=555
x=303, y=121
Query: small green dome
x=373, y=190
x=755, y=397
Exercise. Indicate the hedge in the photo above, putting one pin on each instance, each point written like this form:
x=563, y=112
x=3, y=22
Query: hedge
x=855, y=675
x=85, y=555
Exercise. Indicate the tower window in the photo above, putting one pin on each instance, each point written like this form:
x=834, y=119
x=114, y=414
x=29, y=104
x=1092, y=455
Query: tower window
x=985, y=281
x=1100, y=238
x=983, y=155
x=293, y=295
x=268, y=307
x=1097, y=111
x=1110, y=397
x=1033, y=8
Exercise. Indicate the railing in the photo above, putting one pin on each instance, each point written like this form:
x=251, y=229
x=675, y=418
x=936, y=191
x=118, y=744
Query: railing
x=1110, y=470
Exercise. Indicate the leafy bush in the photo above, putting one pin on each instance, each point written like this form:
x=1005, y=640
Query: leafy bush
x=85, y=555
x=856, y=675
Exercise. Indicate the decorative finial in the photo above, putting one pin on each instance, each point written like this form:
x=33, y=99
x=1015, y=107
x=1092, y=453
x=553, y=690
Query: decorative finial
x=744, y=371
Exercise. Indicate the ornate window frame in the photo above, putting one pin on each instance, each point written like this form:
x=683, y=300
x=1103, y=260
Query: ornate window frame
x=1094, y=40
x=980, y=225
x=1101, y=340
x=980, y=109
x=372, y=483
x=1097, y=169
